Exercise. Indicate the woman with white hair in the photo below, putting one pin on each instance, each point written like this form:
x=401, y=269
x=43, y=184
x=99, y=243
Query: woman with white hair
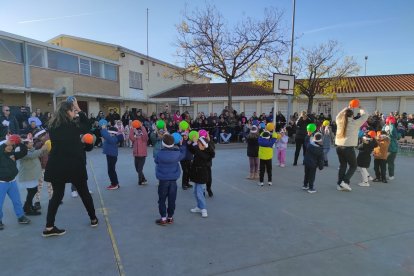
x=346, y=140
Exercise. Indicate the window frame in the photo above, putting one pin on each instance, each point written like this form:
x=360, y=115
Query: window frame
x=139, y=84
x=21, y=50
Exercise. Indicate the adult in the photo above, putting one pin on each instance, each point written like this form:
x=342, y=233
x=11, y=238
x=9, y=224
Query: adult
x=126, y=118
x=67, y=162
x=8, y=123
x=393, y=147
x=346, y=140
x=22, y=116
x=301, y=133
x=111, y=118
x=35, y=118
x=280, y=121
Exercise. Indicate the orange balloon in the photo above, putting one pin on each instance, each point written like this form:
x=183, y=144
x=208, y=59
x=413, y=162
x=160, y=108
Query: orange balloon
x=372, y=134
x=88, y=138
x=354, y=103
x=136, y=124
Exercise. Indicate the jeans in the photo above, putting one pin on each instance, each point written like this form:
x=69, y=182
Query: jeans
x=10, y=188
x=111, y=162
x=199, y=190
x=139, y=162
x=299, y=143
x=380, y=168
x=185, y=166
x=266, y=165
x=309, y=177
x=390, y=163
x=346, y=156
x=59, y=192
x=325, y=154
x=167, y=189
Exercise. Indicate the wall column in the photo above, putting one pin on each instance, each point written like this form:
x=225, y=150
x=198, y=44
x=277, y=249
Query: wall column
x=28, y=97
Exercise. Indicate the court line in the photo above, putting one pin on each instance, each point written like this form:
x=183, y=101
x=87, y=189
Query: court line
x=108, y=225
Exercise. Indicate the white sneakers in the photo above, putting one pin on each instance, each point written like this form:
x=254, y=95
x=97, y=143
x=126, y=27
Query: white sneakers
x=260, y=184
x=391, y=178
x=370, y=178
x=364, y=184
x=198, y=210
x=75, y=194
x=344, y=187
x=270, y=183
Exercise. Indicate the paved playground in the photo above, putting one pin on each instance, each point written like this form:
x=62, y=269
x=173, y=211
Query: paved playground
x=251, y=230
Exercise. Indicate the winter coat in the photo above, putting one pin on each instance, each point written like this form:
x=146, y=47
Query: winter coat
x=45, y=156
x=381, y=150
x=327, y=136
x=139, y=138
x=266, y=148
x=393, y=134
x=282, y=142
x=29, y=166
x=252, y=146
x=212, y=153
x=167, y=163
x=188, y=154
x=200, y=164
x=156, y=142
x=301, y=125
x=67, y=159
x=110, y=144
x=13, y=126
x=8, y=167
x=352, y=128
x=314, y=156
x=365, y=151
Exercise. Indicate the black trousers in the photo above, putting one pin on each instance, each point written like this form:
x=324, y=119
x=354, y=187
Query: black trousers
x=309, y=179
x=209, y=179
x=299, y=143
x=185, y=166
x=139, y=162
x=380, y=168
x=111, y=162
x=59, y=192
x=346, y=156
x=31, y=192
x=265, y=165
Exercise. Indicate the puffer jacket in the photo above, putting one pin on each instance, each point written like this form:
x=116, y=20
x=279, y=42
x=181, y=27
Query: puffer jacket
x=365, y=151
x=314, y=156
x=381, y=150
x=167, y=163
x=8, y=166
x=200, y=164
x=29, y=166
x=139, y=138
x=266, y=148
x=393, y=134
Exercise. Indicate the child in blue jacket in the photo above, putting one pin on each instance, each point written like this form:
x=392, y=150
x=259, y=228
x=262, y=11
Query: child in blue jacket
x=167, y=171
x=110, y=149
x=313, y=160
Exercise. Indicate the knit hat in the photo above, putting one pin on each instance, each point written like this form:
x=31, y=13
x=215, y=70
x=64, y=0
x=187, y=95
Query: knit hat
x=254, y=129
x=266, y=135
x=113, y=130
x=39, y=133
x=168, y=141
x=317, y=137
x=203, y=141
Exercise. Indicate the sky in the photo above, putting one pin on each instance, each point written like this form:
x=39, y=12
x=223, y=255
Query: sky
x=381, y=30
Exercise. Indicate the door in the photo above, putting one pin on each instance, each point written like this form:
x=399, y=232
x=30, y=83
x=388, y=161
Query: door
x=83, y=105
x=390, y=105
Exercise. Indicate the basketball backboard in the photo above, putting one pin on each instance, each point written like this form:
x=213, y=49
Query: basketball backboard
x=283, y=84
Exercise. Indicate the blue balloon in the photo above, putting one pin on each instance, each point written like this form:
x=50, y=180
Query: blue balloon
x=70, y=99
x=103, y=122
x=262, y=125
x=177, y=137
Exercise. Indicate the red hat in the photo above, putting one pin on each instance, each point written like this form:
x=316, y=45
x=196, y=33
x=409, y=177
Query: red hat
x=390, y=120
x=14, y=139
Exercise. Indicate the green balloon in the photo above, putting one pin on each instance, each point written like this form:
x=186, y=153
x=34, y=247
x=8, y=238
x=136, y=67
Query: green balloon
x=160, y=124
x=184, y=125
x=193, y=134
x=311, y=127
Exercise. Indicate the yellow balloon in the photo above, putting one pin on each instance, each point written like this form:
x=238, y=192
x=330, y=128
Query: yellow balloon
x=325, y=123
x=48, y=145
x=270, y=126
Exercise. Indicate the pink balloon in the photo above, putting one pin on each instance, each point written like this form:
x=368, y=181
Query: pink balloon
x=202, y=133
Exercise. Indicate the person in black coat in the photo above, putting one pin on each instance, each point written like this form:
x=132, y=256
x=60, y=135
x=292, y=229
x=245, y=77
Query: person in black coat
x=364, y=158
x=301, y=134
x=67, y=162
x=253, y=152
x=313, y=159
x=8, y=123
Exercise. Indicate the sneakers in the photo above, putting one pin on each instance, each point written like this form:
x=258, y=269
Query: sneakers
x=30, y=211
x=90, y=192
x=282, y=165
x=364, y=184
x=144, y=182
x=305, y=188
x=195, y=210
x=345, y=187
x=339, y=188
x=37, y=206
x=391, y=178
x=94, y=222
x=170, y=220
x=370, y=178
x=1, y=225
x=75, y=194
x=384, y=181
x=376, y=180
x=53, y=232
x=269, y=183
x=113, y=187
x=311, y=191
x=23, y=220
x=260, y=184
x=161, y=222
x=204, y=213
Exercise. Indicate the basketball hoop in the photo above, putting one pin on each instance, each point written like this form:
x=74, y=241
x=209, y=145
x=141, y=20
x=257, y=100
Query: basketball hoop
x=284, y=91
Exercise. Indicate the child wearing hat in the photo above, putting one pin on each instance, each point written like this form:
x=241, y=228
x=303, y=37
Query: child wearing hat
x=380, y=157
x=266, y=143
x=110, y=149
x=281, y=146
x=167, y=172
x=367, y=145
x=253, y=152
x=39, y=138
x=313, y=159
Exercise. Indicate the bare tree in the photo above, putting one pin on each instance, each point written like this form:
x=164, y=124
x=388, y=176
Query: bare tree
x=210, y=48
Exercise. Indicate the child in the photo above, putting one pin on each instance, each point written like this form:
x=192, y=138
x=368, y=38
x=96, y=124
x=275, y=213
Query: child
x=40, y=138
x=364, y=157
x=186, y=162
x=120, y=133
x=253, y=152
x=281, y=147
x=199, y=173
x=327, y=137
x=8, y=172
x=265, y=155
x=30, y=171
x=128, y=142
x=313, y=160
x=110, y=149
x=167, y=172
x=139, y=139
x=380, y=157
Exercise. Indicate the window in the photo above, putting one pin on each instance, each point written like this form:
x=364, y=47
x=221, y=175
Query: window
x=110, y=72
x=97, y=69
x=135, y=80
x=11, y=51
x=63, y=62
x=36, y=56
x=85, y=66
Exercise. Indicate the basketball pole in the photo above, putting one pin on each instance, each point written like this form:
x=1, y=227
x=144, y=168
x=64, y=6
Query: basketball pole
x=290, y=97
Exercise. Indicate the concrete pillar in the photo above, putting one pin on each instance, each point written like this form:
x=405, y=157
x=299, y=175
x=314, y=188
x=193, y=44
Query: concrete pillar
x=379, y=104
x=210, y=108
x=334, y=107
x=258, y=108
x=241, y=107
x=402, y=109
x=28, y=96
x=26, y=69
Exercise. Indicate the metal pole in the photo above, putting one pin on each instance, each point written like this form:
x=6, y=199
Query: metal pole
x=290, y=98
x=147, y=50
x=366, y=59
